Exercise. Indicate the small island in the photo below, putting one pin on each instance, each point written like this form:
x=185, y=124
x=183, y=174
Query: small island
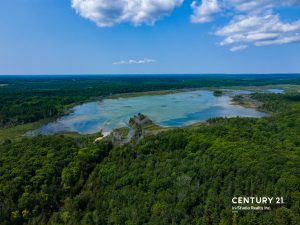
x=218, y=93
x=139, y=120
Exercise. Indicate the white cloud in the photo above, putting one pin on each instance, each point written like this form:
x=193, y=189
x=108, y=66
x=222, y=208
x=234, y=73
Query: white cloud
x=106, y=13
x=280, y=41
x=253, y=22
x=204, y=12
x=135, y=61
x=259, y=30
x=256, y=5
x=238, y=48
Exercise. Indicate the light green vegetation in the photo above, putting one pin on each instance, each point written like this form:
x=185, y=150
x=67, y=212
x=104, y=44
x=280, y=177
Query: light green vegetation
x=246, y=101
x=123, y=131
x=17, y=132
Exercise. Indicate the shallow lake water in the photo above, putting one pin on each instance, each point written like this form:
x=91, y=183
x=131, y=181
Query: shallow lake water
x=170, y=110
x=275, y=91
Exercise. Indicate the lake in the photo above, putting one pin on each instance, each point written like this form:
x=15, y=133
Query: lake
x=168, y=110
x=275, y=91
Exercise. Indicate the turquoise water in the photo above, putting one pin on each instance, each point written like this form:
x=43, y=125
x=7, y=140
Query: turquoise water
x=275, y=91
x=170, y=110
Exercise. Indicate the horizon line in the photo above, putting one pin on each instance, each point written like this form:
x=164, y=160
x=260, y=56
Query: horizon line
x=147, y=74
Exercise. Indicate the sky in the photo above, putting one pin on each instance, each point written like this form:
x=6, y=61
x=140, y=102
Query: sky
x=149, y=36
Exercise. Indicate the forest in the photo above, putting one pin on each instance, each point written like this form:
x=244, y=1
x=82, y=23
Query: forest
x=25, y=99
x=181, y=176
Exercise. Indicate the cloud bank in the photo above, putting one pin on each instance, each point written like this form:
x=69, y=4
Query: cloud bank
x=251, y=22
x=106, y=13
x=135, y=61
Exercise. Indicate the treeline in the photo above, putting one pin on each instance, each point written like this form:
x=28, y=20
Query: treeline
x=184, y=176
x=32, y=98
x=22, y=108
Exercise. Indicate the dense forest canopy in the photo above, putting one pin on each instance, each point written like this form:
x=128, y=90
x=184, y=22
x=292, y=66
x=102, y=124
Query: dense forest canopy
x=181, y=176
x=25, y=99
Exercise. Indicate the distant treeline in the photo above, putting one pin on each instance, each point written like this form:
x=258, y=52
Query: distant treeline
x=25, y=99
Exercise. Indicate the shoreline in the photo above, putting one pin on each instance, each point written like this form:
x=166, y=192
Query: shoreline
x=246, y=102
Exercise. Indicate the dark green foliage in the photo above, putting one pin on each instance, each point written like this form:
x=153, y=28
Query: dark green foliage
x=32, y=98
x=190, y=176
x=36, y=174
x=184, y=176
x=218, y=93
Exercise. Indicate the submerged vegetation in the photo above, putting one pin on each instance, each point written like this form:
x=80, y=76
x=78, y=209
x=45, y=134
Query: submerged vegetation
x=218, y=93
x=179, y=176
x=30, y=99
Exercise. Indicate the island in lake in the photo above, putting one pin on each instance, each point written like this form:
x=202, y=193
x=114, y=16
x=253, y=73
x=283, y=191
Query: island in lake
x=166, y=110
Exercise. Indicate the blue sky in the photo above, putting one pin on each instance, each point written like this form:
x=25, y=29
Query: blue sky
x=149, y=36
